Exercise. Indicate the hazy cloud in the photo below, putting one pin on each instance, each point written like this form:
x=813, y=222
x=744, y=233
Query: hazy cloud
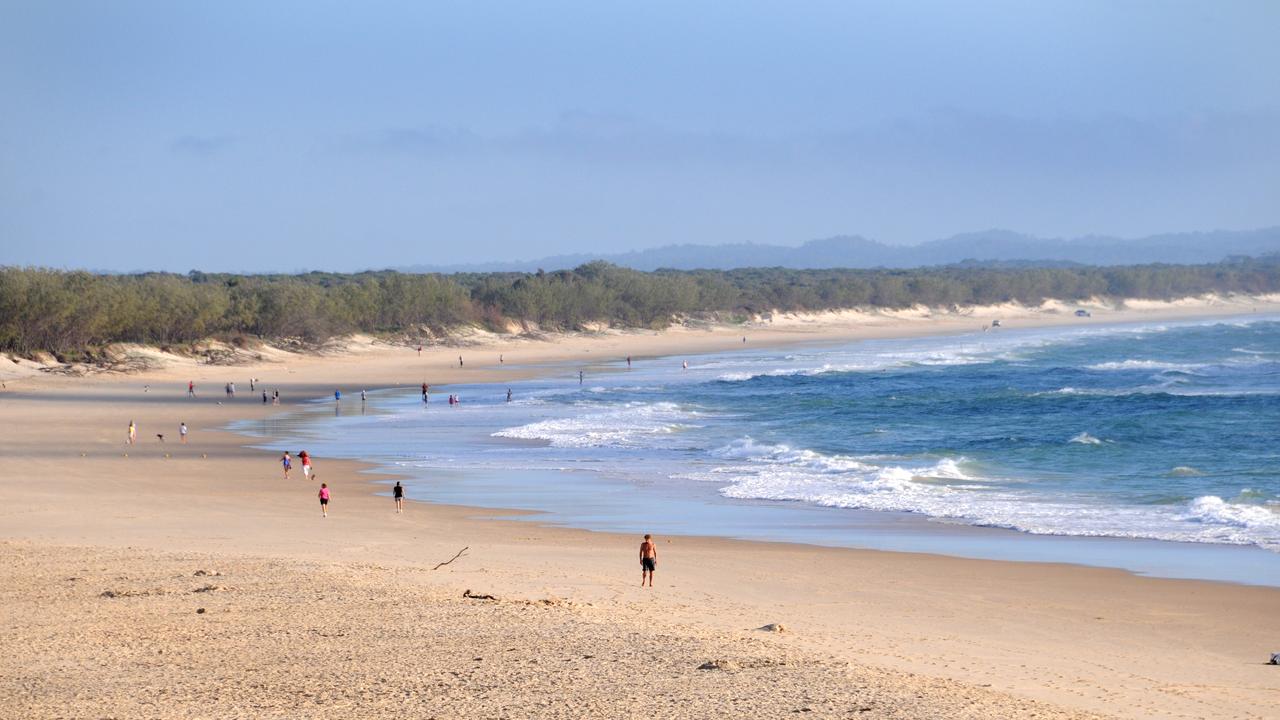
x=943, y=139
x=205, y=145
x=226, y=135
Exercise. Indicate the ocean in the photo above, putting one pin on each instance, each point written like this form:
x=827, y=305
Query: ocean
x=1151, y=447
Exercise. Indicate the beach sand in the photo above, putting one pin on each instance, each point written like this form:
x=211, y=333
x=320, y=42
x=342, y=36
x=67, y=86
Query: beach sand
x=345, y=617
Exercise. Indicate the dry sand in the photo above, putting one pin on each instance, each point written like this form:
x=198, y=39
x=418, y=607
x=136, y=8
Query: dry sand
x=121, y=633
x=344, y=617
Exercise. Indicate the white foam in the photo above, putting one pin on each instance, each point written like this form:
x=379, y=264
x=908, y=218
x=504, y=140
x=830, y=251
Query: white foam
x=1085, y=438
x=1168, y=388
x=1145, y=365
x=948, y=489
x=874, y=356
x=822, y=369
x=621, y=426
x=748, y=449
x=1213, y=510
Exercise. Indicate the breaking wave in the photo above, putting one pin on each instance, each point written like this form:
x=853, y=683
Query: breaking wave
x=1085, y=438
x=952, y=488
x=622, y=426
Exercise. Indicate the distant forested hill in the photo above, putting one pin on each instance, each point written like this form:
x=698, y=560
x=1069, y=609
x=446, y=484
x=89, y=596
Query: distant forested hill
x=858, y=252
x=69, y=312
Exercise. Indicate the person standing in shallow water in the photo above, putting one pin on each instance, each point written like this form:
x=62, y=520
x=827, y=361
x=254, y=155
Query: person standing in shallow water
x=397, y=492
x=648, y=559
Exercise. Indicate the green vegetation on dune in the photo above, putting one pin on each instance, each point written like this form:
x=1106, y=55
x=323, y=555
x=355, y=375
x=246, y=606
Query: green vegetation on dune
x=59, y=311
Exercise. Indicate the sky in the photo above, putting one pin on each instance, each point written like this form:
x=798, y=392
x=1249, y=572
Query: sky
x=280, y=136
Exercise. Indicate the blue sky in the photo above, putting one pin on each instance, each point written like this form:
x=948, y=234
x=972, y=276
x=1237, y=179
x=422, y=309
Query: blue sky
x=279, y=136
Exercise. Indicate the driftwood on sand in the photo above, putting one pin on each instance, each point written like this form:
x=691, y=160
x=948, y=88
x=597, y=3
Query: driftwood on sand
x=455, y=557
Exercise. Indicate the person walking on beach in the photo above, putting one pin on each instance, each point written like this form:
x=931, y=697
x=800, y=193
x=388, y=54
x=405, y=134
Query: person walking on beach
x=182, y=432
x=191, y=388
x=133, y=433
x=397, y=492
x=459, y=361
x=286, y=461
x=306, y=463
x=324, y=499
x=648, y=559
x=419, y=351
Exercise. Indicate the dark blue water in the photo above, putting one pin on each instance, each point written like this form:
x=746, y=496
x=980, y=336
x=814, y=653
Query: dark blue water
x=1158, y=431
x=1162, y=431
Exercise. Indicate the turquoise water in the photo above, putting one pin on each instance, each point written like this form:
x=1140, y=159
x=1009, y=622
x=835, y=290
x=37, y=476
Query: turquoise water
x=1162, y=432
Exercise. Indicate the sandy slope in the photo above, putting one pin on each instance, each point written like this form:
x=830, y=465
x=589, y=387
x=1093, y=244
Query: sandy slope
x=343, y=617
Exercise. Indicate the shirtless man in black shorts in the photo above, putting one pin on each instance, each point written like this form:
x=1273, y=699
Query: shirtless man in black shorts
x=648, y=559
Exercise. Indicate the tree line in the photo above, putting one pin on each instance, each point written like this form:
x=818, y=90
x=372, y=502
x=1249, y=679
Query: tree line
x=71, y=311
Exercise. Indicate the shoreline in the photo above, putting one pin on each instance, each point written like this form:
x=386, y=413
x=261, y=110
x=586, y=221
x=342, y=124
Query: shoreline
x=907, y=532
x=238, y=507
x=765, y=520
